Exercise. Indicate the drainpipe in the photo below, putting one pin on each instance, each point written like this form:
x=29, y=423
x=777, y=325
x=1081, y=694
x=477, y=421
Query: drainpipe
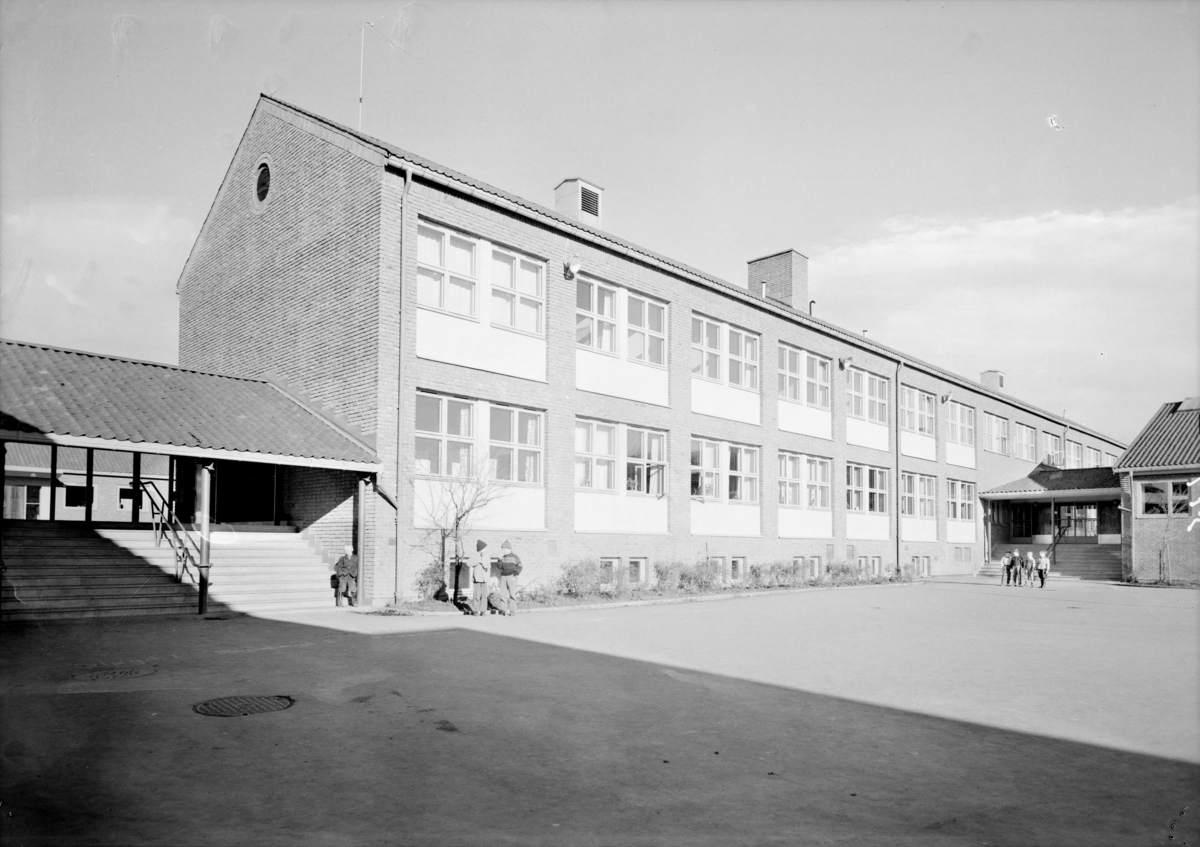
x=400, y=381
x=896, y=482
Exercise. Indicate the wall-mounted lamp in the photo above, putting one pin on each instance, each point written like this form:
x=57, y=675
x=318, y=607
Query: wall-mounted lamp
x=844, y=361
x=571, y=268
x=946, y=397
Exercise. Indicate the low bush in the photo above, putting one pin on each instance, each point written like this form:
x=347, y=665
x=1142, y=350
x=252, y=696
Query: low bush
x=580, y=579
x=430, y=581
x=667, y=574
x=841, y=573
x=702, y=575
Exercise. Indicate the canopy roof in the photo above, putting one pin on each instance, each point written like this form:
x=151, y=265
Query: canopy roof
x=80, y=399
x=1046, y=481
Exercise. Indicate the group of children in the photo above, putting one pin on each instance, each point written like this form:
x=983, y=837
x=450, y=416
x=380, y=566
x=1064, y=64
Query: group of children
x=1019, y=571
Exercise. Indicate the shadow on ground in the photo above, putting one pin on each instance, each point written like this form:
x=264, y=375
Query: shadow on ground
x=456, y=736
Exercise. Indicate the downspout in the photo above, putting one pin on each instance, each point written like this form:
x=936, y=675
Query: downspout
x=408, y=174
x=896, y=482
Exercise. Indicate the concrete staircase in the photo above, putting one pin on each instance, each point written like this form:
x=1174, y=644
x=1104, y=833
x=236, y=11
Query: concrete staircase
x=66, y=570
x=1075, y=561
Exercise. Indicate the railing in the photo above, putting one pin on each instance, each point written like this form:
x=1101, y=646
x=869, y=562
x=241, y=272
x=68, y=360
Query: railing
x=167, y=525
x=1058, y=536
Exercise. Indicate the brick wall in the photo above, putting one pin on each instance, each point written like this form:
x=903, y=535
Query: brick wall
x=1163, y=550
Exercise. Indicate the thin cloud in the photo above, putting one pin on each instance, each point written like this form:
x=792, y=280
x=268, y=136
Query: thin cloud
x=1039, y=297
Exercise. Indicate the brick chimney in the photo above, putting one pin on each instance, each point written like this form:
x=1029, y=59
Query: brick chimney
x=782, y=277
x=580, y=201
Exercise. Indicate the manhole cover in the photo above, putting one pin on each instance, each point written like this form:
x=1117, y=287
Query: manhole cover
x=237, y=707
x=115, y=673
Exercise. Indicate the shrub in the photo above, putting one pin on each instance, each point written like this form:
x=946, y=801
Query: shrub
x=700, y=576
x=841, y=573
x=668, y=574
x=429, y=580
x=538, y=592
x=580, y=579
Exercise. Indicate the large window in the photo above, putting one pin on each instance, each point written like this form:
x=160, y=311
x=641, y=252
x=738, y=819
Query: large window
x=743, y=473
x=517, y=296
x=645, y=461
x=960, y=424
x=595, y=455
x=1025, y=442
x=866, y=396
x=819, y=475
x=743, y=359
x=791, y=479
x=706, y=348
x=1165, y=497
x=960, y=500
x=995, y=434
x=918, y=495
x=1074, y=454
x=446, y=270
x=916, y=410
x=445, y=429
x=803, y=377
x=646, y=333
x=1092, y=458
x=595, y=316
x=515, y=449
x=866, y=489
x=706, y=468
x=1052, y=449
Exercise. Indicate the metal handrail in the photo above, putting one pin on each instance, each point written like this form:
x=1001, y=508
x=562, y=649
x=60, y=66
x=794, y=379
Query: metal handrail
x=165, y=521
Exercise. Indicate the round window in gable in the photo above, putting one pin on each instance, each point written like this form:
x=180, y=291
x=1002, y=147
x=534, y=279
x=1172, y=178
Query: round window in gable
x=263, y=186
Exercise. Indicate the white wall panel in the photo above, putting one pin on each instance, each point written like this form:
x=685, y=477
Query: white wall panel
x=471, y=344
x=623, y=513
x=918, y=529
x=957, y=454
x=722, y=401
x=518, y=507
x=960, y=532
x=805, y=523
x=866, y=434
x=616, y=377
x=918, y=446
x=717, y=518
x=860, y=527
x=805, y=420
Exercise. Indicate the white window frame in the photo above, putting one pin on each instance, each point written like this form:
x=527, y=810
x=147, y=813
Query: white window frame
x=918, y=495
x=960, y=424
x=805, y=377
x=642, y=564
x=589, y=458
x=653, y=471
x=445, y=439
x=612, y=564
x=819, y=483
x=1052, y=449
x=744, y=466
x=705, y=479
x=867, y=396
x=1025, y=442
x=1091, y=457
x=791, y=478
x=441, y=269
x=960, y=500
x=594, y=317
x=737, y=568
x=645, y=330
x=995, y=434
x=1074, y=454
x=706, y=359
x=916, y=411
x=515, y=295
x=1110, y=460
x=866, y=489
x=744, y=363
x=856, y=393
x=1176, y=498
x=518, y=447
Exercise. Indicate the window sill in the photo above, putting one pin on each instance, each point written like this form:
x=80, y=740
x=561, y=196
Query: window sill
x=646, y=364
x=803, y=403
x=611, y=355
x=540, y=336
x=448, y=313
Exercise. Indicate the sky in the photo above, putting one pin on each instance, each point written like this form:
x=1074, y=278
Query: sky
x=906, y=148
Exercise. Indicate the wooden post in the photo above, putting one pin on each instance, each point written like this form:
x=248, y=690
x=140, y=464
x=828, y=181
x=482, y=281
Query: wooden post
x=137, y=487
x=53, y=479
x=360, y=545
x=204, y=490
x=88, y=480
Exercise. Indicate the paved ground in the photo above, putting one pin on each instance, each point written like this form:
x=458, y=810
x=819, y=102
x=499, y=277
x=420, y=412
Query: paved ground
x=948, y=713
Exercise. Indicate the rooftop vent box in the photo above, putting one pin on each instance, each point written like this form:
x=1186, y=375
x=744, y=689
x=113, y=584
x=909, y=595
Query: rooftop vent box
x=993, y=380
x=580, y=201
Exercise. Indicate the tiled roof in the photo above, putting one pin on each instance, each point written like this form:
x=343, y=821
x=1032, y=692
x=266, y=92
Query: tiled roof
x=1170, y=439
x=72, y=393
x=1051, y=479
x=421, y=162
x=20, y=454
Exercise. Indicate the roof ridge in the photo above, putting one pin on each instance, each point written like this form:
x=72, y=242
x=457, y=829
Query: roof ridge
x=146, y=362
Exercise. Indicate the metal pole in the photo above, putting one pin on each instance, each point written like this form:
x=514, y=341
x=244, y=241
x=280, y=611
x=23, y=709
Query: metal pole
x=205, y=492
x=88, y=479
x=53, y=479
x=137, y=486
x=362, y=38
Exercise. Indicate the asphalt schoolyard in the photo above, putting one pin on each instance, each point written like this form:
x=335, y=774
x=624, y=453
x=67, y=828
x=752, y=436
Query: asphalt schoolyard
x=944, y=712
